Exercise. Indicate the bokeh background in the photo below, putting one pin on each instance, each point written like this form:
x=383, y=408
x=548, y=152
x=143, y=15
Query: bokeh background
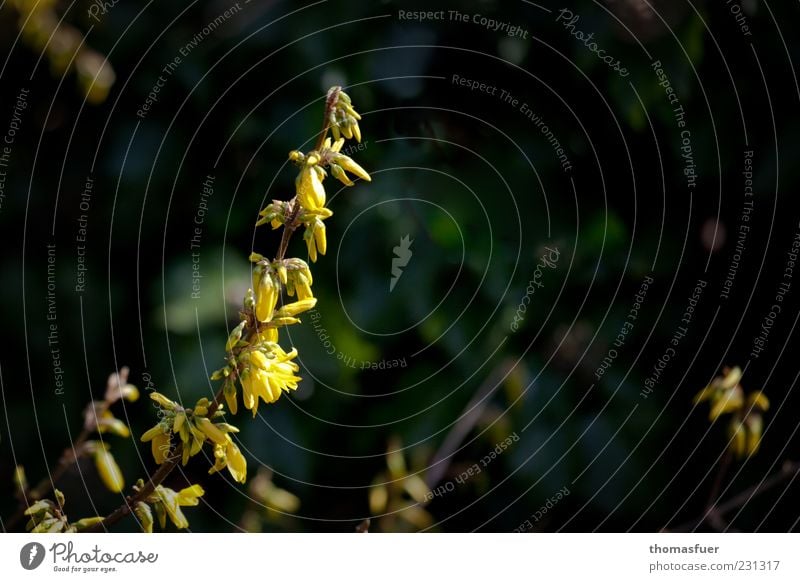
x=477, y=186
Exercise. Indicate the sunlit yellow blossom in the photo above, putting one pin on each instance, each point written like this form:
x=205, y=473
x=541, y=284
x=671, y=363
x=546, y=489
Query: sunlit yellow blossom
x=267, y=377
x=107, y=468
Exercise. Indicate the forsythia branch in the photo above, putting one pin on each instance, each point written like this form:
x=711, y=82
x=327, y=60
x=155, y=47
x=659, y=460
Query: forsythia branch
x=254, y=358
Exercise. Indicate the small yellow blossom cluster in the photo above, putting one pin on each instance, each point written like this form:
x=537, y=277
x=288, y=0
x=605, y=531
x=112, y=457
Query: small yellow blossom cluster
x=44, y=30
x=166, y=502
x=343, y=118
x=194, y=428
x=726, y=396
x=46, y=516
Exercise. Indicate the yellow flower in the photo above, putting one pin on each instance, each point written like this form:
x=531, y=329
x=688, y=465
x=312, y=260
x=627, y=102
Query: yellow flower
x=266, y=292
x=160, y=442
x=229, y=392
x=169, y=501
x=107, y=468
x=163, y=401
x=726, y=401
x=351, y=166
x=315, y=239
x=228, y=455
x=266, y=378
x=109, y=423
x=310, y=191
x=730, y=379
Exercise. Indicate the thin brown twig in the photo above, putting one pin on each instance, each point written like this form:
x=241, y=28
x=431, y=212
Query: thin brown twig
x=789, y=471
x=71, y=455
x=714, y=518
x=469, y=417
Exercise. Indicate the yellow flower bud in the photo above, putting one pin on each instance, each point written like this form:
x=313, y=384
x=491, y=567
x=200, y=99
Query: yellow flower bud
x=348, y=164
x=282, y=277
x=303, y=287
x=229, y=391
x=190, y=496
x=235, y=336
x=339, y=174
x=237, y=464
x=109, y=471
x=296, y=308
x=319, y=237
x=163, y=401
x=266, y=297
x=311, y=244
